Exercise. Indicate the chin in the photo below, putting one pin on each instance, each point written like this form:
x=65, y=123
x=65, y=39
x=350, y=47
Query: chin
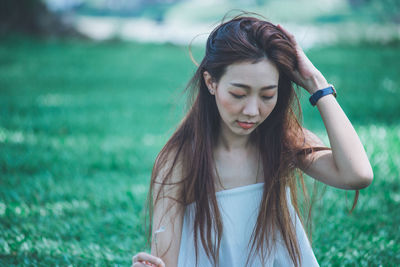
x=243, y=132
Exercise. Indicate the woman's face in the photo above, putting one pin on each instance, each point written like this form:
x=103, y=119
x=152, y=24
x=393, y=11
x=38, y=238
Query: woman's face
x=245, y=95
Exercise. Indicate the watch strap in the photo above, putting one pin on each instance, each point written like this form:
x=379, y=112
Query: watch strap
x=322, y=92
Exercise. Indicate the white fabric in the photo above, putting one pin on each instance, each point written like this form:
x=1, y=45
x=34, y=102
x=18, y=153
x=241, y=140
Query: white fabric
x=239, y=209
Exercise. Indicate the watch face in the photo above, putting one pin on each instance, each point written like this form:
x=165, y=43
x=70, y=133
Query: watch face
x=334, y=90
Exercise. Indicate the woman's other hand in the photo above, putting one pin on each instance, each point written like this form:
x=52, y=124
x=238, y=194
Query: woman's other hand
x=306, y=75
x=143, y=259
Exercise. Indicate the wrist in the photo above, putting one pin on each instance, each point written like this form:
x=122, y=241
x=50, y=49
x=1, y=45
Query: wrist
x=317, y=82
x=321, y=93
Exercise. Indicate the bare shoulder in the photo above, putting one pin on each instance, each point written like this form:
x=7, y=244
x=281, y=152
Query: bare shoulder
x=167, y=173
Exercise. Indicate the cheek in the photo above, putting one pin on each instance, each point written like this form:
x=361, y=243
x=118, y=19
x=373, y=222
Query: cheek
x=227, y=104
x=268, y=109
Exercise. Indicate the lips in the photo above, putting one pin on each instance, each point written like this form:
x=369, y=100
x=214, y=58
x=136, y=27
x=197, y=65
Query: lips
x=245, y=125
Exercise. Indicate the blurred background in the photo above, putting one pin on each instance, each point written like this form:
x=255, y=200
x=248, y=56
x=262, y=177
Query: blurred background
x=90, y=90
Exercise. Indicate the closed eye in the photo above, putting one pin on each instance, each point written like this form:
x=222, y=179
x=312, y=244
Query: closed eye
x=237, y=96
x=267, y=97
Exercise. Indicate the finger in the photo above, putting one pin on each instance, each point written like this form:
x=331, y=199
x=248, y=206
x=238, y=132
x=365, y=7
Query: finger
x=134, y=259
x=285, y=31
x=145, y=257
x=147, y=263
x=143, y=264
x=139, y=263
x=288, y=34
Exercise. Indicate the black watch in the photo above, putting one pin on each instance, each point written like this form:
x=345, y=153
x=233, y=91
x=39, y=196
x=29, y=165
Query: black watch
x=322, y=92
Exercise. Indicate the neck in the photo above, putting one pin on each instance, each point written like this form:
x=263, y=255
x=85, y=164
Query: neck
x=230, y=141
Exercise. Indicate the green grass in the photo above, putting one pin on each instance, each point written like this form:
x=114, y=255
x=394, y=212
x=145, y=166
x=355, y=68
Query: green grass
x=81, y=123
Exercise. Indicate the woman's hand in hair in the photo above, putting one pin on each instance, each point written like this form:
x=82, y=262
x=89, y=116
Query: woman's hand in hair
x=347, y=165
x=306, y=75
x=143, y=259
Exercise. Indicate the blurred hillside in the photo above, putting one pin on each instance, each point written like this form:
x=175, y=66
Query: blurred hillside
x=305, y=11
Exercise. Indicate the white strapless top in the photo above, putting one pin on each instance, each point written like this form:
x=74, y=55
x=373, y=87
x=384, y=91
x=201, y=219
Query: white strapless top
x=239, y=209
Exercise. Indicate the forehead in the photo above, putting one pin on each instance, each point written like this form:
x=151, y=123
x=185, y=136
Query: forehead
x=262, y=73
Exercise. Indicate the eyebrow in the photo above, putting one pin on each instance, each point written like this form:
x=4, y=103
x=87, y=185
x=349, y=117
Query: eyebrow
x=245, y=86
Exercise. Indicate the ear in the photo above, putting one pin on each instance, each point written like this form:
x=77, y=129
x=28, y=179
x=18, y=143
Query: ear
x=211, y=84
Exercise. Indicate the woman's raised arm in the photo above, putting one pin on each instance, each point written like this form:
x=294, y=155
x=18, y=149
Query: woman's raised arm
x=346, y=166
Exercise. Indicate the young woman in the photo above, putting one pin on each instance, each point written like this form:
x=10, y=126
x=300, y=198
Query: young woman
x=224, y=186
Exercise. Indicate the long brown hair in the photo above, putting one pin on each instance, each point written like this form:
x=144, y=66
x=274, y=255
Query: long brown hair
x=279, y=138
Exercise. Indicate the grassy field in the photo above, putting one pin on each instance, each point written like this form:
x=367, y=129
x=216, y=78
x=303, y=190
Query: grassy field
x=81, y=123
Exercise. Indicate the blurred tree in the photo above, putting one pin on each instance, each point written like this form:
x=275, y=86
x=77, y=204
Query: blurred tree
x=31, y=17
x=249, y=3
x=152, y=9
x=381, y=10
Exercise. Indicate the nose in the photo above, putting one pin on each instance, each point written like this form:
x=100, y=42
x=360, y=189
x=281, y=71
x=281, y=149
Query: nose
x=251, y=107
